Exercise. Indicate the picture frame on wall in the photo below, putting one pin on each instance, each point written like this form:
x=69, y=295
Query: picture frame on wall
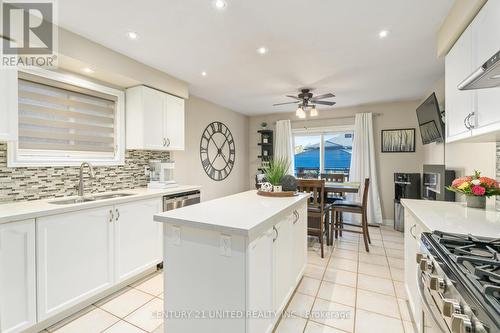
x=398, y=140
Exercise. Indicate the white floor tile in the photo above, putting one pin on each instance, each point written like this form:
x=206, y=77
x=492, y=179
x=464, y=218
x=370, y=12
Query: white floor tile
x=315, y=272
x=400, y=290
x=337, y=293
x=313, y=327
x=374, y=249
x=344, y=254
x=300, y=305
x=409, y=327
x=393, y=245
x=398, y=274
x=343, y=264
x=375, y=259
x=126, y=303
x=149, y=316
x=94, y=321
x=315, y=259
x=346, y=246
x=369, y=322
x=291, y=325
x=309, y=286
x=374, y=302
x=404, y=310
x=396, y=263
x=395, y=253
x=375, y=284
x=333, y=314
x=341, y=277
x=374, y=270
x=152, y=286
x=123, y=327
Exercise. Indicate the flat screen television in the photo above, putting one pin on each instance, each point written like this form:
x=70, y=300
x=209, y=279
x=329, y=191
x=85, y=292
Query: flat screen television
x=430, y=121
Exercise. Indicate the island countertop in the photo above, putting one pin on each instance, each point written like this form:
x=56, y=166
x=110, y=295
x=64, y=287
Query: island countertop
x=455, y=217
x=239, y=214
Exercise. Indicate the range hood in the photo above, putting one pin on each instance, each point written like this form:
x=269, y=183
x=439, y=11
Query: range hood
x=487, y=76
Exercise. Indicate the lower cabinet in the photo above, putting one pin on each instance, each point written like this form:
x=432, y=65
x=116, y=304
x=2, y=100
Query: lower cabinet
x=276, y=261
x=137, y=237
x=17, y=276
x=75, y=258
x=83, y=253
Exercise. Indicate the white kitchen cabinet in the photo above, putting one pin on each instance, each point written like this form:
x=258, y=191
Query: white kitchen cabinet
x=154, y=120
x=137, y=237
x=486, y=42
x=8, y=104
x=299, y=244
x=17, y=276
x=74, y=258
x=460, y=104
x=283, y=262
x=261, y=281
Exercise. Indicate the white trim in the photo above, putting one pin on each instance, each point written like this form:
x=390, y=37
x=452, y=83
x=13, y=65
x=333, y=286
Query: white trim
x=62, y=158
x=323, y=130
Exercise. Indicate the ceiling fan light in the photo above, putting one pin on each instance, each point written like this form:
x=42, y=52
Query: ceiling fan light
x=314, y=112
x=300, y=113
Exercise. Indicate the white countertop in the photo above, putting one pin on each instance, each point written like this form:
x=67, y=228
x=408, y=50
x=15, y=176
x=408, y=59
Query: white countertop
x=37, y=208
x=455, y=217
x=243, y=214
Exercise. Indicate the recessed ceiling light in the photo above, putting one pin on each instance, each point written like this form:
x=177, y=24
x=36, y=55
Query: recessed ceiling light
x=220, y=4
x=88, y=70
x=383, y=33
x=132, y=35
x=262, y=50
x=203, y=73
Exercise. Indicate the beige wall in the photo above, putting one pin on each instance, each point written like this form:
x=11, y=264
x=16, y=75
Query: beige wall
x=391, y=115
x=188, y=169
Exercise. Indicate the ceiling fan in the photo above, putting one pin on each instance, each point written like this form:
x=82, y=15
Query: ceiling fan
x=306, y=99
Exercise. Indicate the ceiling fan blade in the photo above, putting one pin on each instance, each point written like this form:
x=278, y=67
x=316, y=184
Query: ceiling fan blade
x=325, y=103
x=286, y=103
x=329, y=95
x=294, y=97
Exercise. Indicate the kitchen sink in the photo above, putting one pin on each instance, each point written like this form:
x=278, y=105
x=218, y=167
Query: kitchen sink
x=90, y=199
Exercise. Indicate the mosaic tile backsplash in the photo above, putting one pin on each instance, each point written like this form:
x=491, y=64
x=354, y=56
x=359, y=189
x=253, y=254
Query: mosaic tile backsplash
x=21, y=184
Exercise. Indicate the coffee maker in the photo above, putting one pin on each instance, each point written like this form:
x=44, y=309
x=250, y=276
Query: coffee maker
x=161, y=174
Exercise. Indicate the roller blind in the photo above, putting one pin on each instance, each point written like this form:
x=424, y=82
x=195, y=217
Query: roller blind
x=61, y=117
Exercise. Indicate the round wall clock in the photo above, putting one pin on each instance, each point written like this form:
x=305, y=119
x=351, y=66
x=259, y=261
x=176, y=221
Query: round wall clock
x=217, y=151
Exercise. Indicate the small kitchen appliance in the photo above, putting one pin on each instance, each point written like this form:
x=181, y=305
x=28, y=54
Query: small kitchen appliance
x=434, y=181
x=406, y=186
x=459, y=283
x=161, y=174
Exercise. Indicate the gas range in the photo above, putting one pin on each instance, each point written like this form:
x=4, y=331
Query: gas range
x=459, y=282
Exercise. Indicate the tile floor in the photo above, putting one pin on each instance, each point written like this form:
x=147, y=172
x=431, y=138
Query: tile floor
x=347, y=291
x=351, y=290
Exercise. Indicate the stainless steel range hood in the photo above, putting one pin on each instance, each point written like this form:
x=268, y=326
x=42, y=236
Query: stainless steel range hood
x=487, y=76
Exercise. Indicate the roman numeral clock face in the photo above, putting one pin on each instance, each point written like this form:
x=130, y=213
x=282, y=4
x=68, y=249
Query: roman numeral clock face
x=217, y=151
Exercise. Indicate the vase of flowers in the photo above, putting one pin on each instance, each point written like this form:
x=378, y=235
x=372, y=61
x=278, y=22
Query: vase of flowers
x=476, y=189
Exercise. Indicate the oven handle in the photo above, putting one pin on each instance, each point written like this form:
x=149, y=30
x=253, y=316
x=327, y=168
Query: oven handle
x=420, y=290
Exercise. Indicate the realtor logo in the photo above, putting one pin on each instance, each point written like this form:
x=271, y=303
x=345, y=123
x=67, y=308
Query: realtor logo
x=29, y=33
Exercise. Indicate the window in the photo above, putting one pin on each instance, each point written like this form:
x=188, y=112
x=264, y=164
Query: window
x=323, y=150
x=64, y=120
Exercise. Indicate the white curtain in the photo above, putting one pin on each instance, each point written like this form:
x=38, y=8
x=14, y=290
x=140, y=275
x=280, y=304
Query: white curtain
x=283, y=143
x=363, y=164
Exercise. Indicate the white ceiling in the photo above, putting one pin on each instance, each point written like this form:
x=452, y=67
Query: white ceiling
x=328, y=45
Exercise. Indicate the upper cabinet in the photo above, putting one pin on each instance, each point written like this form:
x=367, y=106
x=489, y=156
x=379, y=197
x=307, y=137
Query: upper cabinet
x=154, y=120
x=473, y=115
x=8, y=104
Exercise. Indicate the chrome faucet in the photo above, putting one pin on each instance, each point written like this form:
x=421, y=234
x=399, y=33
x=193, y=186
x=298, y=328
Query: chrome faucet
x=91, y=174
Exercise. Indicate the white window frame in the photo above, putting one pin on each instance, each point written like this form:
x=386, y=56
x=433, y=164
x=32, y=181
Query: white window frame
x=321, y=132
x=42, y=158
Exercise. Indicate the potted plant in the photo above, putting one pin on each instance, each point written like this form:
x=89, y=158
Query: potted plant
x=275, y=171
x=476, y=189
x=263, y=125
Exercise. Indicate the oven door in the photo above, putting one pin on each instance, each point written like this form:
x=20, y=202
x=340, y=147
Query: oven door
x=432, y=320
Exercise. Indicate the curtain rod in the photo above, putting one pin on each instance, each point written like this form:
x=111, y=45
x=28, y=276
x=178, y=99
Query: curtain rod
x=330, y=118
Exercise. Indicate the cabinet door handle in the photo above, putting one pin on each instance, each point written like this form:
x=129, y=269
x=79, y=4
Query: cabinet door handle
x=466, y=121
x=168, y=142
x=411, y=231
x=111, y=217
x=164, y=142
x=277, y=234
x=296, y=214
x=469, y=120
x=117, y=214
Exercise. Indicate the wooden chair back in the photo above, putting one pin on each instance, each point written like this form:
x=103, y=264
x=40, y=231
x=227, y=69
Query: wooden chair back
x=316, y=187
x=364, y=200
x=333, y=177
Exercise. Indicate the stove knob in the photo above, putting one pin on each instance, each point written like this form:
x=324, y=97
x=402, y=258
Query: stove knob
x=461, y=324
x=437, y=284
x=426, y=265
x=451, y=307
x=420, y=256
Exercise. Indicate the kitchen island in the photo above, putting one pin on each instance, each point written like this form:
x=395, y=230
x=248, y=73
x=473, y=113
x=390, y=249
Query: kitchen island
x=232, y=264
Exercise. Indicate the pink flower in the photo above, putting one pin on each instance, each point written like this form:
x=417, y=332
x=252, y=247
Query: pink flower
x=478, y=190
x=459, y=181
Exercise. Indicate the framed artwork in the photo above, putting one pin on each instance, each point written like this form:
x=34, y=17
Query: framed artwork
x=398, y=140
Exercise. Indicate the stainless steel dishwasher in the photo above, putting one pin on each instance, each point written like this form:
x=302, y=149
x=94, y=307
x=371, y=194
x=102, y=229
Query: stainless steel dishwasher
x=180, y=200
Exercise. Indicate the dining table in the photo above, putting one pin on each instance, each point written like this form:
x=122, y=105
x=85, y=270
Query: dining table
x=342, y=187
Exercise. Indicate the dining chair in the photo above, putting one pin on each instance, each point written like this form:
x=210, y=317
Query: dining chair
x=304, y=175
x=345, y=206
x=318, y=211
